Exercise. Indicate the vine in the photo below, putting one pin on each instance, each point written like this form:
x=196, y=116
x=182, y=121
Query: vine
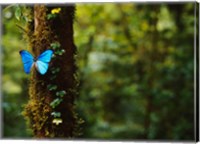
x=59, y=94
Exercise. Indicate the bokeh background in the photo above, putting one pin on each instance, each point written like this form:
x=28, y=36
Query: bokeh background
x=135, y=66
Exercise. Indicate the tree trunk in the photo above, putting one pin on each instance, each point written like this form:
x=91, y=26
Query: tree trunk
x=59, y=82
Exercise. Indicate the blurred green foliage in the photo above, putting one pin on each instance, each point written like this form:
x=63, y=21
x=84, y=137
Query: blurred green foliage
x=15, y=82
x=135, y=66
x=136, y=70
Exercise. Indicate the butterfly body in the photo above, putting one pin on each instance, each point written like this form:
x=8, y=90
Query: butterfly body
x=41, y=63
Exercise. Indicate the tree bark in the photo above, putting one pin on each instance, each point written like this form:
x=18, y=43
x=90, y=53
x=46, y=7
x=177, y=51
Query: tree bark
x=38, y=111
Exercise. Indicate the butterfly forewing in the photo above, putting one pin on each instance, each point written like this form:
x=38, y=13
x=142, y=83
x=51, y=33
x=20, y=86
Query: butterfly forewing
x=45, y=56
x=28, y=60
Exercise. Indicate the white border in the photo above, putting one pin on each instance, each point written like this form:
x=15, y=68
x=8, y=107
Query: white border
x=87, y=1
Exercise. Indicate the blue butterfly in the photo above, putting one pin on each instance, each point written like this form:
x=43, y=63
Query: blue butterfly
x=41, y=63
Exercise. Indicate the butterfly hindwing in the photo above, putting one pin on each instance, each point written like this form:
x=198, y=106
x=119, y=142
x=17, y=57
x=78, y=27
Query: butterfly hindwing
x=42, y=67
x=28, y=60
x=43, y=60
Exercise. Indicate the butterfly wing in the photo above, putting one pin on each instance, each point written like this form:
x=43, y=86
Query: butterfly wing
x=45, y=56
x=42, y=67
x=27, y=59
x=43, y=60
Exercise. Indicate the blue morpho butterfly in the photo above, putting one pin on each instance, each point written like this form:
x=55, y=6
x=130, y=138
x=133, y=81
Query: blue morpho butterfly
x=41, y=63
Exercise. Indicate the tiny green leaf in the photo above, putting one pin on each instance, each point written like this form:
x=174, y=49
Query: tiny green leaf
x=56, y=114
x=53, y=56
x=63, y=51
x=61, y=93
x=60, y=52
x=51, y=16
x=81, y=121
x=55, y=70
x=55, y=45
x=55, y=102
x=18, y=13
x=52, y=87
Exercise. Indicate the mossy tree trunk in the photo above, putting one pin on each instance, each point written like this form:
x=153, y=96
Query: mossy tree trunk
x=42, y=33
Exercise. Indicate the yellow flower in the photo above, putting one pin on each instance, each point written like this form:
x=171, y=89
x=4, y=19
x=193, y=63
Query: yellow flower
x=55, y=10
